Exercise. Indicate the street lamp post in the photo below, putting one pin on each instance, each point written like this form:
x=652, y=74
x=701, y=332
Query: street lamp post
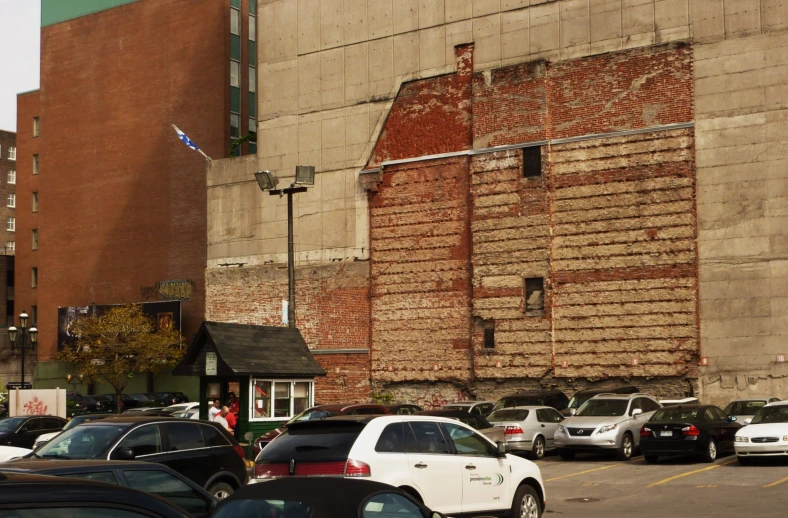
x=27, y=339
x=75, y=380
x=305, y=175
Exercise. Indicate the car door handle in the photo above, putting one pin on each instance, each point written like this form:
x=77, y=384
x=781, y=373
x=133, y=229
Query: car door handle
x=470, y=466
x=420, y=465
x=542, y=426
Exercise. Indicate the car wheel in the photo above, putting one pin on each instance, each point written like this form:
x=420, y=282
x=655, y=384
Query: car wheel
x=625, y=450
x=566, y=455
x=651, y=459
x=526, y=503
x=710, y=454
x=537, y=452
x=744, y=461
x=221, y=490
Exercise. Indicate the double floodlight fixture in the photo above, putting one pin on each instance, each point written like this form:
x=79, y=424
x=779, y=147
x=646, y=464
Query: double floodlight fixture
x=304, y=175
x=266, y=180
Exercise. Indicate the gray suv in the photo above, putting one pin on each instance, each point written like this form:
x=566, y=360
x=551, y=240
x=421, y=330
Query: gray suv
x=606, y=422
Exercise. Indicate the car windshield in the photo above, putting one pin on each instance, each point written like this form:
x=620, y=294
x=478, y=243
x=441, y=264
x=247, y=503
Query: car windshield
x=316, y=413
x=577, y=401
x=259, y=508
x=508, y=415
x=675, y=415
x=771, y=414
x=10, y=424
x=744, y=407
x=603, y=407
x=81, y=442
x=79, y=420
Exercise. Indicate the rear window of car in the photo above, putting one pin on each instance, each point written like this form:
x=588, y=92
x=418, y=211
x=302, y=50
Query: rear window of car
x=508, y=415
x=313, y=443
x=675, y=415
x=744, y=407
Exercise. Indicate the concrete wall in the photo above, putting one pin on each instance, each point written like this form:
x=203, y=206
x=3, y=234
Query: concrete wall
x=742, y=137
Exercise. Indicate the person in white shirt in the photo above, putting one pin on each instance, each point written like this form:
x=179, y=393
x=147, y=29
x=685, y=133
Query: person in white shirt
x=215, y=410
x=222, y=421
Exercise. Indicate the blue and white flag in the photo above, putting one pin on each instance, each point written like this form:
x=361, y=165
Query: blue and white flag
x=189, y=142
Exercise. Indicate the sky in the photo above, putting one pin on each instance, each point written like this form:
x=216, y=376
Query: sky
x=20, y=41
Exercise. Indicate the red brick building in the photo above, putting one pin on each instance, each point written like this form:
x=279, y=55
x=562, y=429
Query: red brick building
x=112, y=202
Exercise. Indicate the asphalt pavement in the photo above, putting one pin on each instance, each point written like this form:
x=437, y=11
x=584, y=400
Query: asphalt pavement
x=599, y=486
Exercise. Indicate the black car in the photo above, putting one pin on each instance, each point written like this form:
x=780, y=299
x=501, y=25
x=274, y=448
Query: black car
x=55, y=497
x=22, y=431
x=42, y=440
x=699, y=430
x=88, y=404
x=551, y=398
x=143, y=399
x=404, y=409
x=200, y=451
x=322, y=498
x=581, y=396
x=126, y=401
x=155, y=479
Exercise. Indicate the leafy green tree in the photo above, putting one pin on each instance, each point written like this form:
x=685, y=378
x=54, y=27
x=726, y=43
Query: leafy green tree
x=121, y=343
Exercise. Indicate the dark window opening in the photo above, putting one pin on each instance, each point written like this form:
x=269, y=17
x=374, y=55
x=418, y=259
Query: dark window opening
x=489, y=336
x=532, y=162
x=534, y=296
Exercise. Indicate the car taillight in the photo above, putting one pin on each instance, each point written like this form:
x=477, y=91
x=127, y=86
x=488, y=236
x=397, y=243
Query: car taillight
x=645, y=432
x=240, y=451
x=319, y=469
x=174, y=401
x=271, y=470
x=356, y=468
x=690, y=430
x=513, y=430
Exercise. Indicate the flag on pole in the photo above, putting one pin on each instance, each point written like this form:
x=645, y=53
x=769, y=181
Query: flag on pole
x=189, y=142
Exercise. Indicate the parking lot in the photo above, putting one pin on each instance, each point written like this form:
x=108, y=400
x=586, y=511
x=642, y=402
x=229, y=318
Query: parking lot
x=597, y=486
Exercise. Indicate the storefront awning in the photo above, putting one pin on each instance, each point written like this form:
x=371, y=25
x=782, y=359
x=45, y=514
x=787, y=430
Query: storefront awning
x=249, y=350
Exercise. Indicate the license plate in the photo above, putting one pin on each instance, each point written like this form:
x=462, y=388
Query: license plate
x=666, y=433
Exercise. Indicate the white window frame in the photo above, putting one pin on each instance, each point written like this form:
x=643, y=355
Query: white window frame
x=235, y=21
x=35, y=164
x=11, y=201
x=35, y=201
x=252, y=27
x=10, y=246
x=273, y=383
x=34, y=277
x=235, y=73
x=36, y=126
x=11, y=178
x=12, y=152
x=10, y=224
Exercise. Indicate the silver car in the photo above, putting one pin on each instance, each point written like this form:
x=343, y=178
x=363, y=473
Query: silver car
x=745, y=408
x=606, y=422
x=528, y=428
x=482, y=408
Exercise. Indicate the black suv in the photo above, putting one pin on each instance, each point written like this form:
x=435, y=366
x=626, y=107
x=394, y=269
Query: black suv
x=551, y=398
x=23, y=431
x=200, y=451
x=581, y=396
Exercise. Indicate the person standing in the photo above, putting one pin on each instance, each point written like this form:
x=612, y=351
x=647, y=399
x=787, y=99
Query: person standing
x=222, y=421
x=233, y=404
x=215, y=410
x=229, y=417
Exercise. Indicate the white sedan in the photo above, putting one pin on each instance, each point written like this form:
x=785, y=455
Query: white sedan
x=12, y=452
x=765, y=436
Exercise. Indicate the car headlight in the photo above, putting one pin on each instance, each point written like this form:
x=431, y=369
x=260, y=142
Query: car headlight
x=561, y=428
x=747, y=439
x=785, y=438
x=608, y=428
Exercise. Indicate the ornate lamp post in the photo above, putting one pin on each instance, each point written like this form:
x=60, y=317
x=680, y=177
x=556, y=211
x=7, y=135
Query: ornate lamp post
x=75, y=380
x=23, y=338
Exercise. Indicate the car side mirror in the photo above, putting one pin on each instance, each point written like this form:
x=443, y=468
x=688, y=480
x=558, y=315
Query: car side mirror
x=732, y=419
x=123, y=454
x=503, y=449
x=747, y=421
x=636, y=412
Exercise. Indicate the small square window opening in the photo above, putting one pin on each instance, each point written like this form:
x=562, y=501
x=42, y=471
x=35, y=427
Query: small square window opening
x=34, y=277
x=532, y=162
x=534, y=296
x=489, y=336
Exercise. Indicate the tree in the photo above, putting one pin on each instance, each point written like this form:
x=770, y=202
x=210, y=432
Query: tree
x=121, y=343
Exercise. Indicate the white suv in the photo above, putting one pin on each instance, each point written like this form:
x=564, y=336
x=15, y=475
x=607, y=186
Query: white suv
x=447, y=465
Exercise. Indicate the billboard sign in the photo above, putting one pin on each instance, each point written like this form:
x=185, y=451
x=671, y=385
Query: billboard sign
x=163, y=314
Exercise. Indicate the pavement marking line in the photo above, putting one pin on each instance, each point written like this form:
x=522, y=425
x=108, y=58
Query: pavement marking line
x=682, y=475
x=582, y=472
x=777, y=483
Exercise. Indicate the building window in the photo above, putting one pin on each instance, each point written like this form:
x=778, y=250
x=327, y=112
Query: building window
x=253, y=129
x=534, y=296
x=10, y=224
x=532, y=162
x=12, y=200
x=34, y=277
x=35, y=164
x=235, y=74
x=35, y=126
x=489, y=335
x=33, y=315
x=252, y=28
x=35, y=239
x=235, y=124
x=235, y=21
x=35, y=201
x=10, y=246
x=11, y=153
x=252, y=79
x=290, y=398
x=11, y=176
